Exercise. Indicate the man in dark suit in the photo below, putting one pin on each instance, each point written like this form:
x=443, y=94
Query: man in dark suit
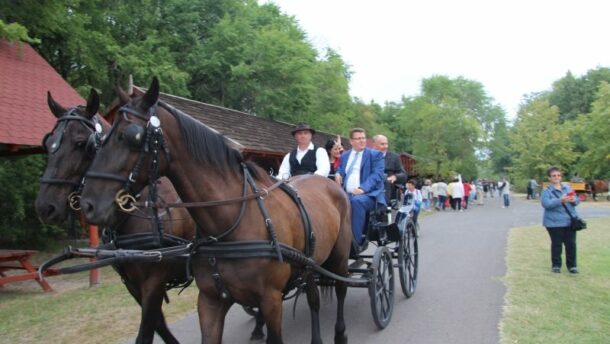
x=394, y=172
x=361, y=174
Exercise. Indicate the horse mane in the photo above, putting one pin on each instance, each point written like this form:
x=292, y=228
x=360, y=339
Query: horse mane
x=208, y=146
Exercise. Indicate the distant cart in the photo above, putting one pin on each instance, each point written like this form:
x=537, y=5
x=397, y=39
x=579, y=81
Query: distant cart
x=583, y=190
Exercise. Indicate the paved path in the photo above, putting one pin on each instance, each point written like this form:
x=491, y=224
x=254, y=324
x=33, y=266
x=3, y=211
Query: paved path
x=459, y=297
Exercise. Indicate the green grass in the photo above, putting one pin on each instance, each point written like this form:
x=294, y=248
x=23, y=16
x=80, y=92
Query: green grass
x=543, y=307
x=75, y=313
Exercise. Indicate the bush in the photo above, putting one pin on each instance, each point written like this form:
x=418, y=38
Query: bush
x=19, y=224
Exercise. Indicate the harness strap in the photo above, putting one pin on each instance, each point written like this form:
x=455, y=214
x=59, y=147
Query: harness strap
x=102, y=175
x=59, y=181
x=260, y=193
x=265, y=213
x=310, y=239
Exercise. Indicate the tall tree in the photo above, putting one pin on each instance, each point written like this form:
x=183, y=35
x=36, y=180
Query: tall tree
x=574, y=95
x=539, y=141
x=595, y=160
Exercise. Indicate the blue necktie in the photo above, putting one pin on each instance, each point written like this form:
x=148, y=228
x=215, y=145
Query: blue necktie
x=350, y=168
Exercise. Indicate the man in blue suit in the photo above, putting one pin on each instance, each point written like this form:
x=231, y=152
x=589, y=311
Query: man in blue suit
x=361, y=174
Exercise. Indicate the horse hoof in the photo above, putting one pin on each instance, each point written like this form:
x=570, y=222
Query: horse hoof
x=341, y=340
x=257, y=337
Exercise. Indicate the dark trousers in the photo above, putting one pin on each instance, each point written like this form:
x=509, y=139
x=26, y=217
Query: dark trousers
x=456, y=203
x=441, y=202
x=361, y=205
x=562, y=236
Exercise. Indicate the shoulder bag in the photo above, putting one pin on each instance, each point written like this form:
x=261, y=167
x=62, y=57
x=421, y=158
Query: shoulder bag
x=576, y=223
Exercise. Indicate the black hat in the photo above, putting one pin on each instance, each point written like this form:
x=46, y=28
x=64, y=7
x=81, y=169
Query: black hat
x=302, y=126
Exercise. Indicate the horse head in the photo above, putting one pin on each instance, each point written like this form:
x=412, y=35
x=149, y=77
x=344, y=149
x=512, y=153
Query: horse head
x=70, y=147
x=121, y=166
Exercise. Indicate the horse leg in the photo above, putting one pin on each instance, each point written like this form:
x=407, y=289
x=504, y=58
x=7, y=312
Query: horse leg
x=163, y=330
x=212, y=312
x=341, y=292
x=257, y=333
x=152, y=315
x=271, y=307
x=313, y=299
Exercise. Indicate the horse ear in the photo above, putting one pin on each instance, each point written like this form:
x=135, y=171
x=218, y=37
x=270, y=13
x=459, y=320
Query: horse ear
x=152, y=95
x=93, y=104
x=123, y=96
x=56, y=109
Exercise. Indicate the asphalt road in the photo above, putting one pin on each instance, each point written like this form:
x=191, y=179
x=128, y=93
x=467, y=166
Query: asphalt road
x=459, y=296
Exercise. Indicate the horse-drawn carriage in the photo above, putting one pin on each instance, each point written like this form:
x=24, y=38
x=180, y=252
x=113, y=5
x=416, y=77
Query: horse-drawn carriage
x=240, y=252
x=582, y=189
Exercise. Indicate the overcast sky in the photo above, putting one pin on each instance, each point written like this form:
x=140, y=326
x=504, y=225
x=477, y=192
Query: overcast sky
x=512, y=47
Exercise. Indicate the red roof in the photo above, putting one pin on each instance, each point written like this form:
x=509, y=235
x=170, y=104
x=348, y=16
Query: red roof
x=25, y=78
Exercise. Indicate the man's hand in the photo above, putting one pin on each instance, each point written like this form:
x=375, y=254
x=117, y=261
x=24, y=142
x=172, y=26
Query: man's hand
x=357, y=191
x=338, y=178
x=391, y=179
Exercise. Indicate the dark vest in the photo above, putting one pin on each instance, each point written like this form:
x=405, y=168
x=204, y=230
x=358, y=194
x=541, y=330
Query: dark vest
x=307, y=165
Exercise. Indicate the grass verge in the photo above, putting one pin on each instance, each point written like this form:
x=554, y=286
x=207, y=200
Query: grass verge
x=543, y=307
x=75, y=313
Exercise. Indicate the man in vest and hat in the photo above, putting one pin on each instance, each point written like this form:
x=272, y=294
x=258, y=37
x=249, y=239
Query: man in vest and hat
x=306, y=158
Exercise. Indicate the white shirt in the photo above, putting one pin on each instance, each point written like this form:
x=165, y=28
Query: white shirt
x=506, y=189
x=353, y=180
x=458, y=190
x=322, y=162
x=441, y=189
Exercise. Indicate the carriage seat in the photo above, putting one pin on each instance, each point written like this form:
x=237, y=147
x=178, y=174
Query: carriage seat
x=380, y=228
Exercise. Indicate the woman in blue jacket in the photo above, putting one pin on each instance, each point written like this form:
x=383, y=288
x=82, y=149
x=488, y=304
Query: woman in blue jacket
x=557, y=200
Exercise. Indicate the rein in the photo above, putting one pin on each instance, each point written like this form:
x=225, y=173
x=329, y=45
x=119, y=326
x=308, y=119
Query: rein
x=262, y=194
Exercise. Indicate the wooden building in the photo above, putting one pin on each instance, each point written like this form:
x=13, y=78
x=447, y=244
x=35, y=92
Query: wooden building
x=260, y=139
x=25, y=78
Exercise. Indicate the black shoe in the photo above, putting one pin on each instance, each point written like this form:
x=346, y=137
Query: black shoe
x=573, y=270
x=556, y=269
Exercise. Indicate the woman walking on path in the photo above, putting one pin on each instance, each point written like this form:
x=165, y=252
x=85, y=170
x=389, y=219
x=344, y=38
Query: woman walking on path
x=557, y=200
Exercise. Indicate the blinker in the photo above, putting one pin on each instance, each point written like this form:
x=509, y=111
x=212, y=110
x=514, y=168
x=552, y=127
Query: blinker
x=134, y=135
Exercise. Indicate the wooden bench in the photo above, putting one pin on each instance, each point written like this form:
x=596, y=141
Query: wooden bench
x=23, y=258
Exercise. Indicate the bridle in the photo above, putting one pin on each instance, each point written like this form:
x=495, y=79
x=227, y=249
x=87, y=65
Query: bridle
x=93, y=142
x=149, y=140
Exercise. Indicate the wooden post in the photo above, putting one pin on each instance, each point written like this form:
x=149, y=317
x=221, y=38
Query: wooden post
x=94, y=241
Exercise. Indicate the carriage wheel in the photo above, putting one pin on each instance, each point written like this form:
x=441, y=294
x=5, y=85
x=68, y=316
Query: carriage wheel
x=381, y=287
x=252, y=311
x=408, y=260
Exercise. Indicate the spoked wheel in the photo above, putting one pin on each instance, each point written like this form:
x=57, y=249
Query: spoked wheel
x=381, y=287
x=408, y=259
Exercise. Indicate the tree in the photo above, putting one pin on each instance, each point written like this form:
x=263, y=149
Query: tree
x=15, y=32
x=19, y=225
x=574, y=96
x=595, y=160
x=539, y=141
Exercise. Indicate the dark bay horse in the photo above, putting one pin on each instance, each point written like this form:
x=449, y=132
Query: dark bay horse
x=205, y=168
x=70, y=154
